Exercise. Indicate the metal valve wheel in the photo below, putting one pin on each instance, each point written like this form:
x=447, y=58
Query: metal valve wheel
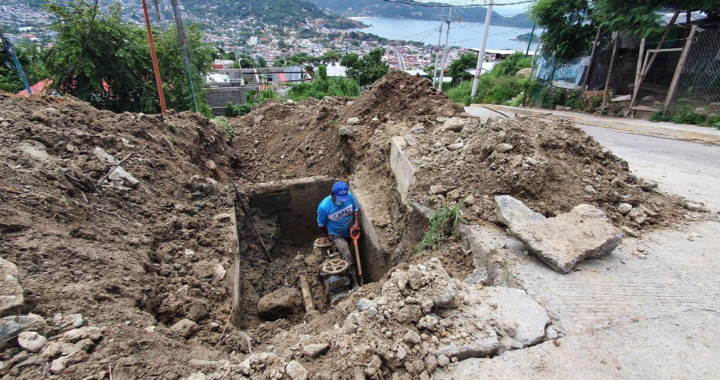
x=334, y=266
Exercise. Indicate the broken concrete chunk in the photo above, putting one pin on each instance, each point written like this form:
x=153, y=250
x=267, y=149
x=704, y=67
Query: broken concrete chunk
x=119, y=177
x=314, y=350
x=12, y=326
x=510, y=210
x=695, y=207
x=562, y=242
x=296, y=371
x=31, y=341
x=11, y=293
x=411, y=141
x=279, y=304
x=454, y=124
x=476, y=349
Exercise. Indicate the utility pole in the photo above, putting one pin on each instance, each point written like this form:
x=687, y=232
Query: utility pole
x=447, y=50
x=437, y=49
x=185, y=52
x=481, y=54
x=10, y=50
x=532, y=34
x=158, y=80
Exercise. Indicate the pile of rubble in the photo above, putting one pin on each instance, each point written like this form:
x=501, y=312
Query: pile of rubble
x=551, y=166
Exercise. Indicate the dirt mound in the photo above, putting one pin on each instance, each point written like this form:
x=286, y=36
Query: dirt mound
x=399, y=96
x=132, y=261
x=551, y=167
x=290, y=140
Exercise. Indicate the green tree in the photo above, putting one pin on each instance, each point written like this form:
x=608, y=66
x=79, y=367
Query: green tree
x=369, y=68
x=101, y=59
x=642, y=17
x=457, y=69
x=29, y=56
x=569, y=26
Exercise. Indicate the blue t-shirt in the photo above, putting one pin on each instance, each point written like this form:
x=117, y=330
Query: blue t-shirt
x=338, y=219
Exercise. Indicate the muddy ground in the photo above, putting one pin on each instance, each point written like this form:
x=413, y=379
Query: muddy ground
x=134, y=262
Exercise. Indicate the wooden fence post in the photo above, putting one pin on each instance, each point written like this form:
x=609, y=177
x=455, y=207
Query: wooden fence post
x=588, y=70
x=612, y=61
x=678, y=70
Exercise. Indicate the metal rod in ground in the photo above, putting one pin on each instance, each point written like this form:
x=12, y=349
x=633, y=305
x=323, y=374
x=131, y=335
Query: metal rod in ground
x=156, y=66
x=9, y=49
x=437, y=49
x=182, y=37
x=248, y=216
x=481, y=53
x=446, y=51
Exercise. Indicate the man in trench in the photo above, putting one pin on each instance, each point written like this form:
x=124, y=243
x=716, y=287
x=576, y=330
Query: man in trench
x=337, y=216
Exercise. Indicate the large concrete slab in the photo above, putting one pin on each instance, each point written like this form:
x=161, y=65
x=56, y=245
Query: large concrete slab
x=680, y=346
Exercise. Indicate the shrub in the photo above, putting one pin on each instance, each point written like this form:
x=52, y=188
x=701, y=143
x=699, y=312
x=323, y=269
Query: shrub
x=442, y=222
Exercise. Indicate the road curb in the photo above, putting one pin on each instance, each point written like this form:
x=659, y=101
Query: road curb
x=666, y=130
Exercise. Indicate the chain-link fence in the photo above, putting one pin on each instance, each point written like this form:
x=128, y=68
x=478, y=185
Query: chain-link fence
x=698, y=84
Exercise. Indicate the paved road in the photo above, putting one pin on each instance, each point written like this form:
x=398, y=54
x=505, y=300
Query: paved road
x=687, y=169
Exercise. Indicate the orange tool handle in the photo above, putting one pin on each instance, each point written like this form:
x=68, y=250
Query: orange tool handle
x=355, y=235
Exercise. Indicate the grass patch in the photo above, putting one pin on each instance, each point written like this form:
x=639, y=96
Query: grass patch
x=442, y=223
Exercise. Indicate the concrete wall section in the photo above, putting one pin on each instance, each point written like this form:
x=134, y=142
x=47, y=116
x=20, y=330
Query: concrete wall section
x=401, y=166
x=374, y=258
x=218, y=97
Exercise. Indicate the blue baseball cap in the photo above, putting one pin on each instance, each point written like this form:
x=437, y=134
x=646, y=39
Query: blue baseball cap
x=340, y=190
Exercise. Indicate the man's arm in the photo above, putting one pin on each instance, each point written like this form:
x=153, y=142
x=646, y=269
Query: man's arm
x=356, y=225
x=322, y=225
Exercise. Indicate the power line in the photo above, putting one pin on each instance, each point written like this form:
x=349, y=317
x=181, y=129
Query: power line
x=454, y=4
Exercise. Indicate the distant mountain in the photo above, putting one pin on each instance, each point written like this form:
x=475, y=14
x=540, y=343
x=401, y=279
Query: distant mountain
x=380, y=8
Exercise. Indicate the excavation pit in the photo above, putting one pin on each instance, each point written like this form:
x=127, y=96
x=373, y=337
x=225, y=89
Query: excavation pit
x=285, y=215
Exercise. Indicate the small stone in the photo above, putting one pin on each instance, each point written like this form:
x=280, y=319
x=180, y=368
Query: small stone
x=695, y=207
x=430, y=363
x=470, y=200
x=410, y=140
x=184, y=327
x=624, y=208
x=411, y=337
x=353, y=121
x=454, y=124
x=443, y=360
x=371, y=312
x=437, y=190
x=456, y=146
x=296, y=371
x=551, y=333
x=629, y=232
x=438, y=144
x=590, y=190
x=401, y=353
x=314, y=350
x=290, y=102
x=418, y=129
x=503, y=148
x=454, y=195
x=31, y=341
x=365, y=304
x=210, y=164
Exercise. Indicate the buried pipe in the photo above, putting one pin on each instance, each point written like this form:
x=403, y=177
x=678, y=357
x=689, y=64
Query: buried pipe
x=307, y=296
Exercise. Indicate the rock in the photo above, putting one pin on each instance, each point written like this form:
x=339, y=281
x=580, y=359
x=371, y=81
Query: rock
x=443, y=360
x=31, y=341
x=345, y=130
x=510, y=210
x=454, y=124
x=279, y=304
x=624, y=208
x=428, y=322
x=411, y=337
x=119, y=177
x=470, y=200
x=648, y=185
x=61, y=321
x=551, y=333
x=12, y=326
x=437, y=190
x=648, y=98
x=559, y=108
x=296, y=371
x=401, y=353
x=12, y=299
x=504, y=148
x=454, y=195
x=289, y=102
x=184, y=327
x=563, y=241
x=701, y=111
x=476, y=349
x=88, y=332
x=630, y=232
x=456, y=146
x=418, y=129
x=206, y=269
x=638, y=215
x=223, y=217
x=478, y=276
x=441, y=119
x=197, y=375
x=34, y=150
x=695, y=207
x=59, y=365
x=590, y=190
x=647, y=210
x=314, y=350
x=431, y=363
x=410, y=140
x=365, y=304
x=353, y=121
x=210, y=164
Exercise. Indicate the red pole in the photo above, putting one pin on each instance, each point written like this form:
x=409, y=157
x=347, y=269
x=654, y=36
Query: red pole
x=158, y=80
